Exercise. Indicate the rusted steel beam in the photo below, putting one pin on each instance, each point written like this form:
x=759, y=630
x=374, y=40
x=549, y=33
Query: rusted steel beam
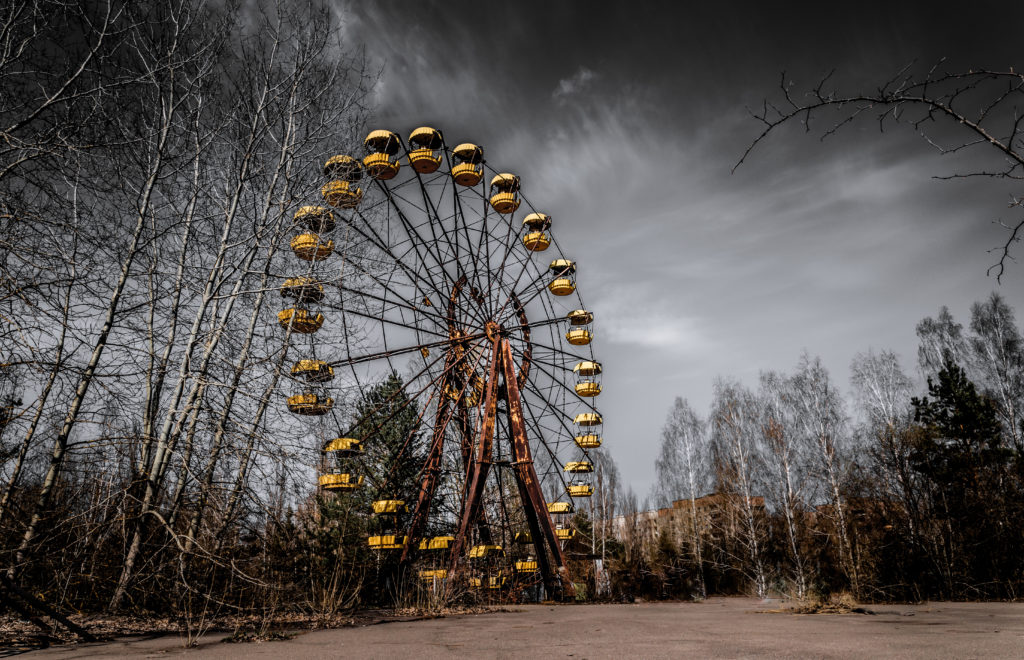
x=482, y=464
x=430, y=477
x=533, y=502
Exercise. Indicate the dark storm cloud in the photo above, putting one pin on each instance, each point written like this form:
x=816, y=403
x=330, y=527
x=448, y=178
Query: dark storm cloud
x=624, y=123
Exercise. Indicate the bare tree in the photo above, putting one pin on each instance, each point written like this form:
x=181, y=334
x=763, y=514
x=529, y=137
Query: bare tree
x=819, y=418
x=883, y=391
x=938, y=339
x=983, y=109
x=998, y=353
x=683, y=471
x=137, y=267
x=786, y=459
x=739, y=464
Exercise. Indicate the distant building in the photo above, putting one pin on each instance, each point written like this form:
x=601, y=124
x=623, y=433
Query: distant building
x=715, y=514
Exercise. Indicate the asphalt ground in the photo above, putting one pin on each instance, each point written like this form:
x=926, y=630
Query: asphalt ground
x=716, y=628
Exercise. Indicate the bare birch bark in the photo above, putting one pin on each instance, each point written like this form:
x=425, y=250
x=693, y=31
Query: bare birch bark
x=734, y=419
x=784, y=453
x=819, y=415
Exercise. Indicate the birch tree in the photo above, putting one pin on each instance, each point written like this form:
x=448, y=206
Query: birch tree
x=819, y=418
x=738, y=463
x=883, y=393
x=683, y=471
x=785, y=458
x=998, y=353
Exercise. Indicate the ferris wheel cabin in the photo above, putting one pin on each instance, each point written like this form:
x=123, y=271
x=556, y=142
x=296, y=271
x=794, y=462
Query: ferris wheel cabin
x=338, y=464
x=426, y=144
x=341, y=191
x=505, y=193
x=588, y=430
x=536, y=238
x=303, y=318
x=308, y=245
x=469, y=168
x=381, y=160
x=579, y=333
x=563, y=272
x=580, y=484
x=588, y=378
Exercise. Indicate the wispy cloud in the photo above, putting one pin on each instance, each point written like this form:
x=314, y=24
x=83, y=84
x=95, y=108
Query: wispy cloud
x=642, y=318
x=574, y=84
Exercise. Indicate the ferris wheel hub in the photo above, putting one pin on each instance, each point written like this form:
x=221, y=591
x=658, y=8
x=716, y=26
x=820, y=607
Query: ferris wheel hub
x=493, y=330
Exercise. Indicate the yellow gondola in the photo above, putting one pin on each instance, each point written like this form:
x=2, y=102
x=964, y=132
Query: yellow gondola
x=560, y=507
x=587, y=373
x=318, y=219
x=589, y=425
x=564, y=272
x=440, y=542
x=310, y=404
x=342, y=191
x=580, y=490
x=579, y=336
x=536, y=239
x=300, y=320
x=505, y=193
x=578, y=467
x=314, y=371
x=389, y=507
x=387, y=542
x=343, y=482
x=526, y=566
x=484, y=551
x=565, y=533
x=469, y=167
x=495, y=582
x=342, y=194
x=588, y=441
x=382, y=161
x=344, y=446
x=311, y=247
x=425, y=157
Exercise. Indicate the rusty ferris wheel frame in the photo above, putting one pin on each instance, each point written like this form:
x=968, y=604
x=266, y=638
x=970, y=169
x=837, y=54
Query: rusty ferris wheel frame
x=435, y=269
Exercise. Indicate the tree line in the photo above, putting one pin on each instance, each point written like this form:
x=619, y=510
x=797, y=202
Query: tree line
x=897, y=493
x=152, y=157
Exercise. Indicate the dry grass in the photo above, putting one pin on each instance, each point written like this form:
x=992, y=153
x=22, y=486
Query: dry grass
x=841, y=603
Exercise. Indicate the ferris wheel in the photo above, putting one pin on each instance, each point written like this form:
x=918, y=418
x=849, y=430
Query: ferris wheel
x=435, y=267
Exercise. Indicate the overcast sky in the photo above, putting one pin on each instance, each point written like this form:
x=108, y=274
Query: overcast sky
x=624, y=123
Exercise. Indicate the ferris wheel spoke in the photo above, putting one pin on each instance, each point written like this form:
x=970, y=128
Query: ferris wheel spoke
x=405, y=304
x=400, y=391
x=560, y=351
x=462, y=223
x=532, y=419
x=380, y=355
x=414, y=235
x=434, y=214
x=393, y=322
x=383, y=247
